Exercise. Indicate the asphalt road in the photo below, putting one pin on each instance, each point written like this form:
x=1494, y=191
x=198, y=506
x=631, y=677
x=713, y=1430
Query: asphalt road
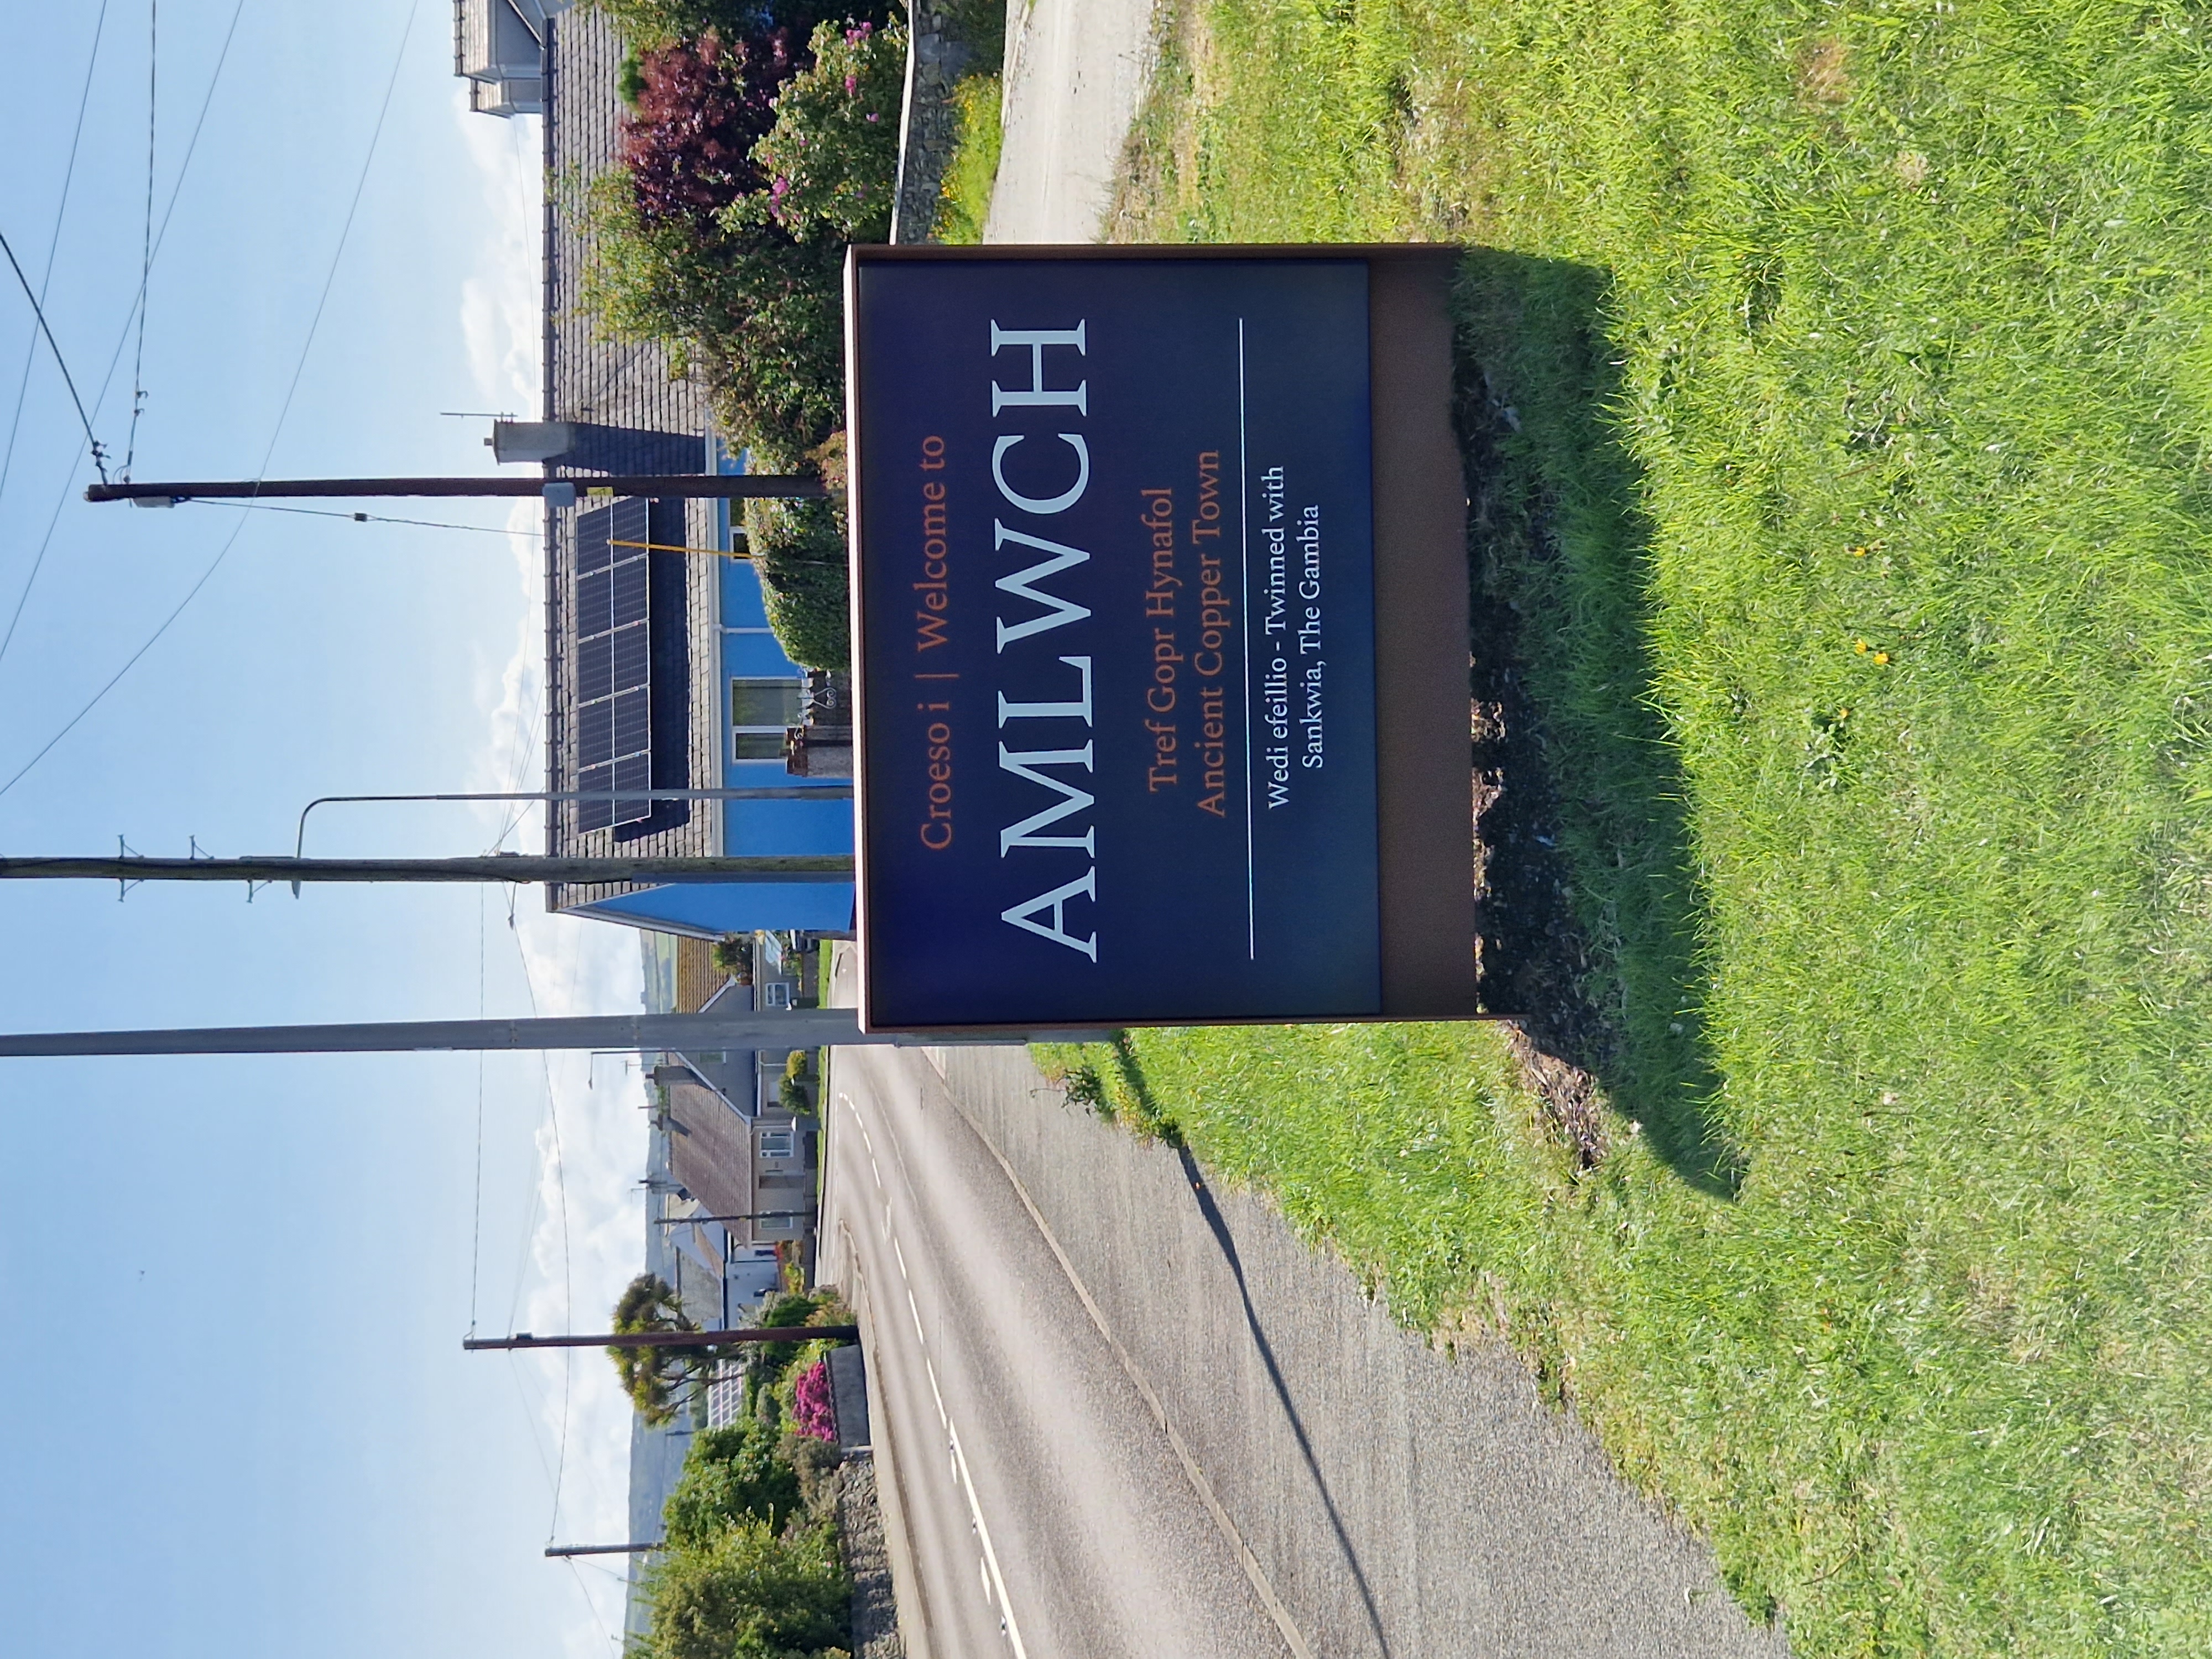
x=1033, y=1506
x=1076, y=74
x=1259, y=1460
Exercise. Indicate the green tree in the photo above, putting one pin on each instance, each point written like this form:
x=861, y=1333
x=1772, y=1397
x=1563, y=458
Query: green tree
x=654, y=25
x=658, y=1379
x=732, y=1475
x=746, y=1593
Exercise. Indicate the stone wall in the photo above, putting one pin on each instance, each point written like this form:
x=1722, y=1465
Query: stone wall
x=929, y=123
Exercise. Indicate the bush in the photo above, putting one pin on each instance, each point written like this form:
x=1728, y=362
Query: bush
x=831, y=159
x=732, y=1475
x=772, y=1360
x=748, y=1593
x=650, y=25
x=734, y=955
x=813, y=1411
x=755, y=153
x=799, y=548
x=687, y=251
x=818, y=1464
x=760, y=317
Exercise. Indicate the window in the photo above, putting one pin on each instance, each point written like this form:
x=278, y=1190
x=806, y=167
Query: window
x=760, y=711
x=775, y=1143
x=725, y=1397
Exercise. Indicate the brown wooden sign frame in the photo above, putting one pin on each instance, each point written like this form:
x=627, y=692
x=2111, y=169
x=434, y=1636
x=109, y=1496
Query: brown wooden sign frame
x=1424, y=755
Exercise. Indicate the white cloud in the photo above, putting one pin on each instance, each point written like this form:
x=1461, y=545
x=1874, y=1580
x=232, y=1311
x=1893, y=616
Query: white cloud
x=502, y=326
x=588, y=1238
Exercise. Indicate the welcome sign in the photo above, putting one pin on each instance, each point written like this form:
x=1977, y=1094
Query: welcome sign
x=1115, y=619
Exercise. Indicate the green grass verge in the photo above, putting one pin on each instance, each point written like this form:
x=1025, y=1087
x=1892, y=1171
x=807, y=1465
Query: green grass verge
x=1804, y=329
x=965, y=204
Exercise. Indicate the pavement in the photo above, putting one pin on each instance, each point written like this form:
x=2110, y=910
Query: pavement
x=1075, y=76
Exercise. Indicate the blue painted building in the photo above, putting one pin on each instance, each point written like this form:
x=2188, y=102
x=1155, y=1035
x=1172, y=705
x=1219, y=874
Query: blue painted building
x=757, y=695
x=661, y=672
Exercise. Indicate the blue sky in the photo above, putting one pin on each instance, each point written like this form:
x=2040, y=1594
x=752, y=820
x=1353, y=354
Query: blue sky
x=234, y=1416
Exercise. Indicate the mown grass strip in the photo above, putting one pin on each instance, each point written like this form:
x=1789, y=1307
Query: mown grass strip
x=974, y=170
x=1839, y=385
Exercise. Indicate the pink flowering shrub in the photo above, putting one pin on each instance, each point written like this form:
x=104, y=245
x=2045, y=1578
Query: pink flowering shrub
x=831, y=157
x=813, y=1411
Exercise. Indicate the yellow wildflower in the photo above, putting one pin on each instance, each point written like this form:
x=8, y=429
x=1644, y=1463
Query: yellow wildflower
x=1881, y=656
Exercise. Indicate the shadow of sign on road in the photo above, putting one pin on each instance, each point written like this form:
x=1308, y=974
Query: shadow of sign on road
x=1218, y=1225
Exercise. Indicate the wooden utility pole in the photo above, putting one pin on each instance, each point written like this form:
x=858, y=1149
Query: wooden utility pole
x=669, y=1339
x=709, y=1032
x=559, y=1550
x=708, y=486
x=753, y=1215
x=561, y=797
x=487, y=867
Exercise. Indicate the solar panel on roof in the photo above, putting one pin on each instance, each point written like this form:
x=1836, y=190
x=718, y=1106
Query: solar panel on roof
x=595, y=540
x=594, y=602
x=614, y=695
x=628, y=580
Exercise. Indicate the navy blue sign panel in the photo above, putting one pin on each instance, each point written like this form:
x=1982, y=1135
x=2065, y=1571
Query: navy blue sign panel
x=1114, y=547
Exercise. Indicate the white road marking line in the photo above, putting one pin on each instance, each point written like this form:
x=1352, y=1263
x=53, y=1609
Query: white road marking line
x=1293, y=1636
x=994, y=1580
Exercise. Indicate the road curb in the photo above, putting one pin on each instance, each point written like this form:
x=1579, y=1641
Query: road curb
x=898, y=1543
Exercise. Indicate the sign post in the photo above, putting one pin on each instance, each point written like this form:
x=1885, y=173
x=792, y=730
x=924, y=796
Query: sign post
x=1160, y=602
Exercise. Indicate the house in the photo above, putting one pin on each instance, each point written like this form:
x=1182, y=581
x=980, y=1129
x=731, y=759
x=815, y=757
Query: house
x=499, y=49
x=661, y=672
x=719, y=1145
x=726, y=1146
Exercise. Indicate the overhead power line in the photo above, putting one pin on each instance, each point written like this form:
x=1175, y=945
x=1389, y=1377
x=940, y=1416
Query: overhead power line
x=53, y=244
x=363, y=517
x=98, y=455
x=169, y=209
x=376, y=134
x=146, y=259
x=39, y=560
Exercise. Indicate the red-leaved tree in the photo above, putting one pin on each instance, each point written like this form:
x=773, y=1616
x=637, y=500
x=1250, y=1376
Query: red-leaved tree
x=702, y=107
